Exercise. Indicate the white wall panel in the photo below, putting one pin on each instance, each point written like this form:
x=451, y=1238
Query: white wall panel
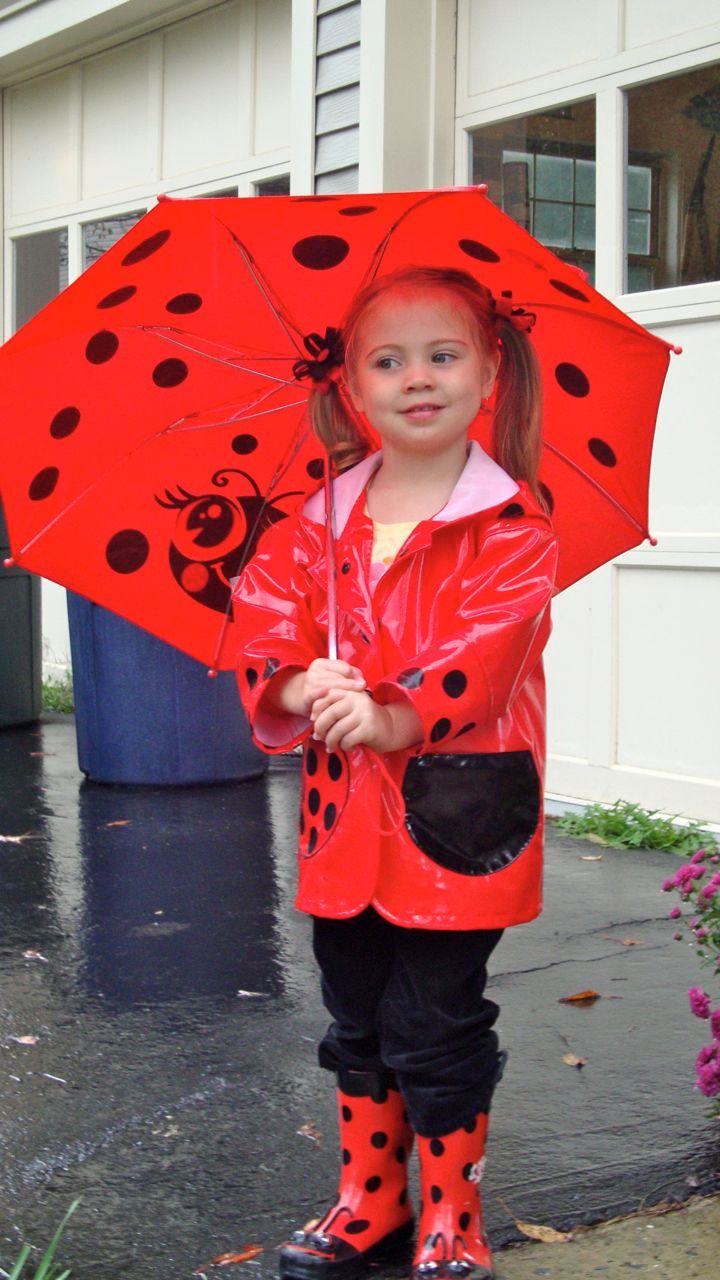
x=119, y=150
x=650, y=20
x=42, y=120
x=201, y=124
x=668, y=707
x=686, y=457
x=567, y=667
x=272, y=76
x=515, y=40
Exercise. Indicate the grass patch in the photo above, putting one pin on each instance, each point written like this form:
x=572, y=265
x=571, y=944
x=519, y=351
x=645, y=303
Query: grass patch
x=628, y=826
x=57, y=695
x=47, y=1269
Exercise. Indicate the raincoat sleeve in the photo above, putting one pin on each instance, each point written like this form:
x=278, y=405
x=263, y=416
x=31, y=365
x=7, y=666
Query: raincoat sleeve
x=276, y=633
x=470, y=676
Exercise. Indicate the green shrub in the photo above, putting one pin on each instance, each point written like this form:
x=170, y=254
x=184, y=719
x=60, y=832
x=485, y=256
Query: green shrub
x=47, y=1268
x=57, y=695
x=628, y=826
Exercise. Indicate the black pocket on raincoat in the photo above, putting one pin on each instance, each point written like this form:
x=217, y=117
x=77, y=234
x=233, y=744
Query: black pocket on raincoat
x=472, y=813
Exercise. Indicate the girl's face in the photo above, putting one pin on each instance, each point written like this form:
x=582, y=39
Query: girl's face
x=419, y=372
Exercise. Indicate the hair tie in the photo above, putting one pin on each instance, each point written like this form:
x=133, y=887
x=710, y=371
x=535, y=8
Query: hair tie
x=518, y=317
x=327, y=353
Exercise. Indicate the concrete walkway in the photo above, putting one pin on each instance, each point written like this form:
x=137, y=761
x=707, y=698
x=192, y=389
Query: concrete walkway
x=172, y=1010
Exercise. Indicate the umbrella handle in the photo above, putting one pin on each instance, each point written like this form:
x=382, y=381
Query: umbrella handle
x=330, y=561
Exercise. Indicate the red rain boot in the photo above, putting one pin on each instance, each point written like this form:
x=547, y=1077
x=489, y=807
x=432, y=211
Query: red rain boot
x=371, y=1214
x=451, y=1236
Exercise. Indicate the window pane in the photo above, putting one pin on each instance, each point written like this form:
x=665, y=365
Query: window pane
x=638, y=233
x=40, y=271
x=584, y=227
x=639, y=186
x=673, y=128
x=535, y=163
x=274, y=186
x=99, y=236
x=553, y=224
x=553, y=178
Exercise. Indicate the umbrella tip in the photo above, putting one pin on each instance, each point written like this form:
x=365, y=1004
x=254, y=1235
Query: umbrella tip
x=9, y=563
x=653, y=541
x=482, y=187
x=677, y=351
x=212, y=673
x=162, y=195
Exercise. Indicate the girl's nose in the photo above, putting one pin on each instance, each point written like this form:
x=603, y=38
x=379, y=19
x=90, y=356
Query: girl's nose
x=417, y=376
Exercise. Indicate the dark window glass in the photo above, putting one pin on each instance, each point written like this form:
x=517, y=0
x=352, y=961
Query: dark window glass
x=40, y=271
x=673, y=181
x=99, y=236
x=540, y=169
x=274, y=186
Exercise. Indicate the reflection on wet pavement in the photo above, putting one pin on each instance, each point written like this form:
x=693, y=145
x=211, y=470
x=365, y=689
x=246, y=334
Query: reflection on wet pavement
x=149, y=950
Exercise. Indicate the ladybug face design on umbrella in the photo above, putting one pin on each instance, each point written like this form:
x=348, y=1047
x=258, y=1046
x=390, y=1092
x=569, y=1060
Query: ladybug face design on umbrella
x=216, y=533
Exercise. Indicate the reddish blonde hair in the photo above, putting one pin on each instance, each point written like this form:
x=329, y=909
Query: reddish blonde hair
x=516, y=424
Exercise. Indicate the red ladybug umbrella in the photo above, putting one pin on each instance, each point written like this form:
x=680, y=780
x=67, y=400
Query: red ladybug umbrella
x=153, y=414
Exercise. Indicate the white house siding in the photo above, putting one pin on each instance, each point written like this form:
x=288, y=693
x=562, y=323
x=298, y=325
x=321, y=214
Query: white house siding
x=195, y=107
x=337, y=95
x=634, y=694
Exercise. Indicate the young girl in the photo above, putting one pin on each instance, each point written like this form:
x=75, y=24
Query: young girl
x=445, y=562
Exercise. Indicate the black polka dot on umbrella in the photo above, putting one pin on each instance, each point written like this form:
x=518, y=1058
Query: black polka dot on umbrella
x=127, y=551
x=184, y=303
x=401, y=1154
x=347, y=1114
x=412, y=678
x=334, y=767
x=170, y=373
x=312, y=839
x=320, y=253
x=464, y=1220
x=357, y=210
x=547, y=495
x=311, y=761
x=346, y=1156
x=455, y=684
x=302, y=823
x=470, y=1126
x=244, y=444
x=251, y=676
x=313, y=800
x=43, y=484
x=379, y=1139
x=117, y=297
x=437, y=1147
x=476, y=249
x=65, y=422
x=402, y=1198
x=436, y=1193
x=512, y=511
x=572, y=379
x=357, y=1226
x=602, y=452
x=146, y=248
x=373, y=1184
x=467, y=728
x=316, y=469
x=329, y=816
x=102, y=347
x=467, y=1171
x=569, y=290
x=440, y=730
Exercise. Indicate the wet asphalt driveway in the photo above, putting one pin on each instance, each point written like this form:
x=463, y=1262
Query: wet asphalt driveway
x=172, y=1082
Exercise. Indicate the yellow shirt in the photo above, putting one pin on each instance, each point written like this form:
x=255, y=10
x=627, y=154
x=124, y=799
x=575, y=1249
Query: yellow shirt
x=387, y=541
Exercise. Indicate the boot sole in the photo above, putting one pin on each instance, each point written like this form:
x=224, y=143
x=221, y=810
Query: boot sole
x=300, y=1264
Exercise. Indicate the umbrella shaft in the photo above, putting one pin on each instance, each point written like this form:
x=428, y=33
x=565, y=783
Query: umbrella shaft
x=330, y=561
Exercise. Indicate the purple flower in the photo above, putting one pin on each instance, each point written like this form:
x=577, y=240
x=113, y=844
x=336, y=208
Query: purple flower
x=707, y=1066
x=698, y=857
x=709, y=892
x=677, y=937
x=715, y=1023
x=668, y=886
x=701, y=932
x=699, y=1002
x=674, y=913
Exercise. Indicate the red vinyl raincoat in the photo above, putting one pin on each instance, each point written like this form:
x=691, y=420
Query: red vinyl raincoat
x=456, y=626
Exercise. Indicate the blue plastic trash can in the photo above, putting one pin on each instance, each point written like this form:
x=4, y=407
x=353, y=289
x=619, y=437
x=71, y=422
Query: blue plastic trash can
x=146, y=713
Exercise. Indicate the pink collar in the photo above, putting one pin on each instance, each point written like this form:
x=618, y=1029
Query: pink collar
x=482, y=484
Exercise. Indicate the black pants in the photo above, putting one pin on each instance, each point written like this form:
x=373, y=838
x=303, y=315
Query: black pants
x=411, y=1001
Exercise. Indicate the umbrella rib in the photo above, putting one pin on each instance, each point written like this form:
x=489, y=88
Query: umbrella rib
x=596, y=485
x=380, y=251
x=242, y=416
x=283, y=317
x=167, y=336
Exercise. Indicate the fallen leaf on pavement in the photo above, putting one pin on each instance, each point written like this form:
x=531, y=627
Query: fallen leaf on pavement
x=252, y=995
x=594, y=839
x=35, y=955
x=591, y=857
x=548, y=1235
x=25, y=1039
x=16, y=839
x=229, y=1259
x=581, y=997
x=310, y=1131
x=572, y=1060
x=119, y=822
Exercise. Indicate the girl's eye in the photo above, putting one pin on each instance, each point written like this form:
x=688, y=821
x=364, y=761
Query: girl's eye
x=443, y=357
x=386, y=362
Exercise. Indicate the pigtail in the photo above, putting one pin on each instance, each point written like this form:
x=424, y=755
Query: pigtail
x=336, y=427
x=517, y=419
